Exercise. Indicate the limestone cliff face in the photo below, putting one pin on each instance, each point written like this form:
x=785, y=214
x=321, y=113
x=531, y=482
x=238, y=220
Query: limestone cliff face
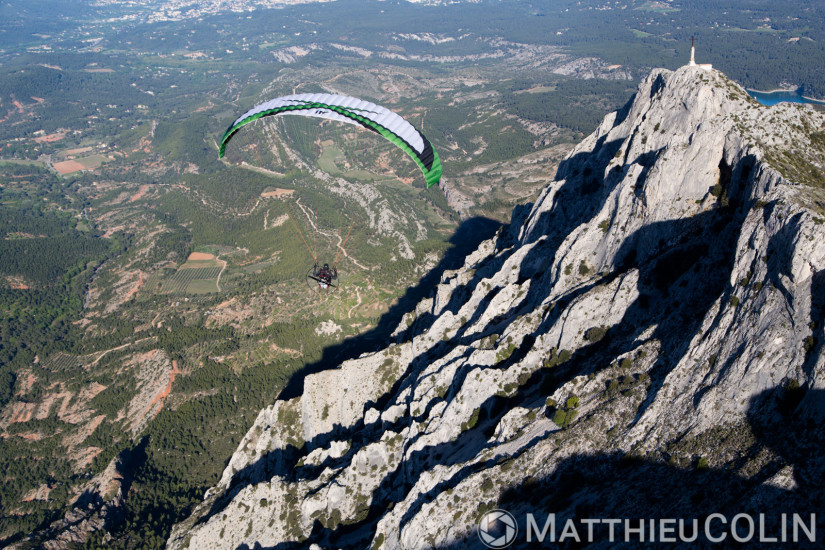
x=644, y=341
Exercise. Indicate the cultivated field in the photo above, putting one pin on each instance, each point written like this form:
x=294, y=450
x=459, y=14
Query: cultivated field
x=85, y=163
x=200, y=274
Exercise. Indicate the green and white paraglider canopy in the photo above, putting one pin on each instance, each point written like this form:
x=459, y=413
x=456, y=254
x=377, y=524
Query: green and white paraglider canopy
x=352, y=111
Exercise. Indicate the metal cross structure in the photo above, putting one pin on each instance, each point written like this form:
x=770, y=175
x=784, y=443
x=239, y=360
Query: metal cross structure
x=692, y=38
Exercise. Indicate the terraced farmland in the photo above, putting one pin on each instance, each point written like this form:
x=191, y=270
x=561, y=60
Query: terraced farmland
x=191, y=280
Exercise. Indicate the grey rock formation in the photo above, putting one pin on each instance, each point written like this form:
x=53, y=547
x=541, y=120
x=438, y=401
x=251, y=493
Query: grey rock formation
x=644, y=342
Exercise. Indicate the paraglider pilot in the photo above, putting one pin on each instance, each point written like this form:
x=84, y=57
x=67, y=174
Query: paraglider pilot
x=325, y=275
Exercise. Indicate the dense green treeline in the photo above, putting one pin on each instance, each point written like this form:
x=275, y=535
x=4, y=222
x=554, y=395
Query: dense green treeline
x=116, y=331
x=504, y=139
x=34, y=221
x=35, y=321
x=46, y=252
x=239, y=188
x=11, y=173
x=38, y=321
x=176, y=336
x=578, y=105
x=29, y=465
x=109, y=402
x=43, y=260
x=436, y=197
x=59, y=87
x=57, y=83
x=190, y=139
x=43, y=246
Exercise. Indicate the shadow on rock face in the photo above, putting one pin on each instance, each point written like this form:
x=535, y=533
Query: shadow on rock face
x=714, y=508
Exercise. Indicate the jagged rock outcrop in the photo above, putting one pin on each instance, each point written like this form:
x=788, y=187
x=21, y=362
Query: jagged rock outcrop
x=97, y=508
x=644, y=342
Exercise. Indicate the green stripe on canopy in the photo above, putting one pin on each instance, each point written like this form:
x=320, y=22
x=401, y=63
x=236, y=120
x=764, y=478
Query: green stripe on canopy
x=356, y=111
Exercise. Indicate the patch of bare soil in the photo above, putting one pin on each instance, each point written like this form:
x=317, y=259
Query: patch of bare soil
x=132, y=291
x=25, y=381
x=51, y=138
x=140, y=194
x=22, y=411
x=161, y=397
x=72, y=441
x=230, y=312
x=44, y=409
x=200, y=256
x=205, y=107
x=39, y=493
x=79, y=411
x=146, y=141
x=72, y=411
x=68, y=167
x=128, y=285
x=85, y=457
x=277, y=193
x=153, y=371
x=31, y=436
x=278, y=222
x=112, y=230
x=16, y=283
x=17, y=412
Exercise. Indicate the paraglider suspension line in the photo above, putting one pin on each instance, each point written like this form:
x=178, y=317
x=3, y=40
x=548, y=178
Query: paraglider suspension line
x=301, y=234
x=315, y=214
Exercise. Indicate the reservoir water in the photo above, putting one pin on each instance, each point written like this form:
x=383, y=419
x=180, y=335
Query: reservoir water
x=772, y=98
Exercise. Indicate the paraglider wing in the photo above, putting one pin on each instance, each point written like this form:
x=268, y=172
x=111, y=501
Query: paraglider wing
x=352, y=111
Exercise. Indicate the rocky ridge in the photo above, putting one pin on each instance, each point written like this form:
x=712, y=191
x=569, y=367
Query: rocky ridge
x=643, y=341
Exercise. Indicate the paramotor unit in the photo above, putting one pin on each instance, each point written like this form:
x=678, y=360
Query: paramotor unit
x=322, y=278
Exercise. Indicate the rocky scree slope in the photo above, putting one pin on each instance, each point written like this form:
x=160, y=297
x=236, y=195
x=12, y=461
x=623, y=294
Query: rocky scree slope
x=645, y=341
